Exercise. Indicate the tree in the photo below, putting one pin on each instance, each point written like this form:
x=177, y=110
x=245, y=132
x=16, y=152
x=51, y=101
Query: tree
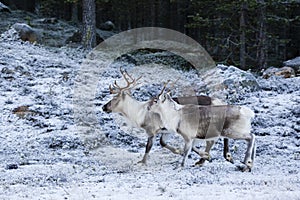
x=261, y=47
x=74, y=15
x=89, y=23
x=243, y=36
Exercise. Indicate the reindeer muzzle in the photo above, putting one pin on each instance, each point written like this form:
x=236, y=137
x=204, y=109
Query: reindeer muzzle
x=106, y=108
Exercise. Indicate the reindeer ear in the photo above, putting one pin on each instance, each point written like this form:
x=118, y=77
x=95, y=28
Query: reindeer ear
x=163, y=98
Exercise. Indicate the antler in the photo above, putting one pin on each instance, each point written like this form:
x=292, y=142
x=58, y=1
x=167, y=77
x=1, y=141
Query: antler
x=163, y=89
x=173, y=84
x=126, y=76
x=165, y=86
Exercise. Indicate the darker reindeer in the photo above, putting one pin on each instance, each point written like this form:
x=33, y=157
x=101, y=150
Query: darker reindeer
x=207, y=123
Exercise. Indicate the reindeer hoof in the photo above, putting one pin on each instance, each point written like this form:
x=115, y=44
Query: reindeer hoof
x=206, y=156
x=178, y=151
x=200, y=162
x=229, y=158
x=244, y=168
x=203, y=159
x=143, y=162
x=231, y=161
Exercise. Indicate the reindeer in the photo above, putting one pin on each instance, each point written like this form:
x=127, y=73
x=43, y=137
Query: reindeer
x=139, y=115
x=206, y=123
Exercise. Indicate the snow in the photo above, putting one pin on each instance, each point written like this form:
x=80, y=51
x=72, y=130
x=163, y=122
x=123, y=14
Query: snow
x=44, y=155
x=293, y=62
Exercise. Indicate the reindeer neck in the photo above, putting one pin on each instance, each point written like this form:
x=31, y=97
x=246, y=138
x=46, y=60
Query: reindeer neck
x=134, y=110
x=170, y=116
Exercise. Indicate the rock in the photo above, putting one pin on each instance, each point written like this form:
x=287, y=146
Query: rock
x=294, y=63
x=269, y=72
x=77, y=35
x=51, y=31
x=285, y=72
x=4, y=8
x=107, y=26
x=12, y=166
x=26, y=32
x=228, y=83
x=157, y=56
x=23, y=111
x=75, y=38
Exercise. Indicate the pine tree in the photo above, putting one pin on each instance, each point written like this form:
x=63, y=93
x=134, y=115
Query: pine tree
x=89, y=24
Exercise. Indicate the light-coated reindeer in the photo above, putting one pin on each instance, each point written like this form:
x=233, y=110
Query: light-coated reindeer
x=207, y=123
x=139, y=115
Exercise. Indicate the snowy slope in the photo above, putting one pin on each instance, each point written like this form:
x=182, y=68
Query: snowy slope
x=43, y=154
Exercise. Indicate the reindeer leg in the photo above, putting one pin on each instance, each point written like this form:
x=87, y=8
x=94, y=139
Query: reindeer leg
x=148, y=148
x=209, y=145
x=187, y=148
x=226, y=152
x=253, y=153
x=250, y=153
x=165, y=145
x=203, y=154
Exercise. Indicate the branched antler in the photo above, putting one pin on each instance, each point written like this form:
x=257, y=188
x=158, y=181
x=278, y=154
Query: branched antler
x=130, y=83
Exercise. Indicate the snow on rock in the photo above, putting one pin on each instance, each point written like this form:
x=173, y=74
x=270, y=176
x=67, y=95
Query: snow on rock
x=294, y=63
x=229, y=83
x=50, y=31
x=107, y=26
x=150, y=56
x=26, y=32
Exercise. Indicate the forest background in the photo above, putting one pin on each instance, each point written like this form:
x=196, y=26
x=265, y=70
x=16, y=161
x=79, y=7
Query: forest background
x=249, y=34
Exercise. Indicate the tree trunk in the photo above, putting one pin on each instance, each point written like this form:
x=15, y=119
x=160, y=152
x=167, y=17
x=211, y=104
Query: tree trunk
x=74, y=15
x=261, y=47
x=164, y=13
x=89, y=24
x=243, y=37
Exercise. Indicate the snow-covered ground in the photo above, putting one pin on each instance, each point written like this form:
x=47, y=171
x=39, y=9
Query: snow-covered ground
x=43, y=154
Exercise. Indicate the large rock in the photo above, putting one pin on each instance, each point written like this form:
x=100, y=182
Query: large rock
x=228, y=83
x=26, y=32
x=4, y=8
x=285, y=72
x=157, y=56
x=294, y=63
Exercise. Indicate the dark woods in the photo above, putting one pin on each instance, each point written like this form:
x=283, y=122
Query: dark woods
x=249, y=34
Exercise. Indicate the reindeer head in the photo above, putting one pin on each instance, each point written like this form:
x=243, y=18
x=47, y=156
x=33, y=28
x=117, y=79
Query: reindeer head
x=116, y=104
x=163, y=101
